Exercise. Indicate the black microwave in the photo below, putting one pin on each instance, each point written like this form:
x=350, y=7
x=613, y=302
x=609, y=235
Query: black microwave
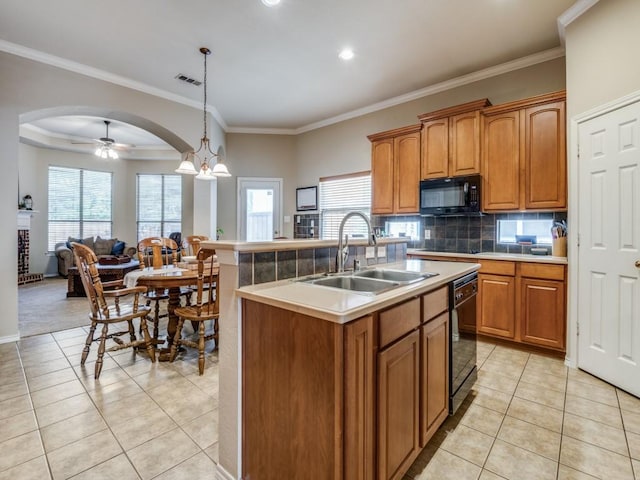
x=450, y=196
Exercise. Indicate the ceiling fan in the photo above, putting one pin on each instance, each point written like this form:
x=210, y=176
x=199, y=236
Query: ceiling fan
x=106, y=146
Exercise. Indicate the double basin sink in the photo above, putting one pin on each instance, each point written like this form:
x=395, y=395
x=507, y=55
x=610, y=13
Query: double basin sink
x=370, y=282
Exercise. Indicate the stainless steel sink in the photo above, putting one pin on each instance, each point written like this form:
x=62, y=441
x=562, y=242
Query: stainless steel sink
x=399, y=276
x=356, y=284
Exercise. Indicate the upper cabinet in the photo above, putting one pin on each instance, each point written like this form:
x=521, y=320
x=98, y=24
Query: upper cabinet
x=524, y=164
x=451, y=140
x=395, y=170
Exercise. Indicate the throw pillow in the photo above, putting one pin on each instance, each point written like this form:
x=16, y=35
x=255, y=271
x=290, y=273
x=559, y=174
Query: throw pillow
x=103, y=246
x=88, y=242
x=118, y=248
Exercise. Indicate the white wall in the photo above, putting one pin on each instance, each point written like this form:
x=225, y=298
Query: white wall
x=602, y=66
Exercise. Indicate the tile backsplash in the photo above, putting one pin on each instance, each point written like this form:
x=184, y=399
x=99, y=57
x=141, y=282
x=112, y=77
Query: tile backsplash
x=306, y=225
x=468, y=234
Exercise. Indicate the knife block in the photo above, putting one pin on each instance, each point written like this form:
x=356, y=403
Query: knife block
x=559, y=247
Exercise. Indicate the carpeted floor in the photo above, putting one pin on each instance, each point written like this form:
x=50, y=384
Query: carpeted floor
x=43, y=307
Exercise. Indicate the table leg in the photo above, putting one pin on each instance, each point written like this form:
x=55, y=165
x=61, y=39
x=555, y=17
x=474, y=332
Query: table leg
x=174, y=301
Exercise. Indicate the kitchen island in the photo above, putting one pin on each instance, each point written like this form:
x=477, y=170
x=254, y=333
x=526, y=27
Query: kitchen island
x=243, y=263
x=343, y=385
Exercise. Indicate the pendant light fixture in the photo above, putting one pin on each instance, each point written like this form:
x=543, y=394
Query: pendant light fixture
x=204, y=154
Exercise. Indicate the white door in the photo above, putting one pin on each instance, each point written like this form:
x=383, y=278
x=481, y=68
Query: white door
x=609, y=236
x=259, y=207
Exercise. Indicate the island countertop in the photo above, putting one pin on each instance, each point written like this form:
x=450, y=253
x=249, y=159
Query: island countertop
x=289, y=244
x=342, y=306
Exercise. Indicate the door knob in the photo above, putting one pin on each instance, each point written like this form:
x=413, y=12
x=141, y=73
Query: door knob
x=637, y=263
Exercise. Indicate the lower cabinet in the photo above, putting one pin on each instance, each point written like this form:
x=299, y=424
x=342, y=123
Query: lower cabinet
x=496, y=305
x=435, y=376
x=354, y=402
x=523, y=302
x=398, y=406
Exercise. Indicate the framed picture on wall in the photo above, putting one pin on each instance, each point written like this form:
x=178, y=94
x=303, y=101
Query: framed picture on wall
x=306, y=198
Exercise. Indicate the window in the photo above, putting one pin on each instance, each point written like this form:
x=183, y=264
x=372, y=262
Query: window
x=396, y=228
x=79, y=204
x=508, y=229
x=159, y=205
x=341, y=195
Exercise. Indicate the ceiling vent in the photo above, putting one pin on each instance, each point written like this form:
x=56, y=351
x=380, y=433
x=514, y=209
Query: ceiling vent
x=183, y=78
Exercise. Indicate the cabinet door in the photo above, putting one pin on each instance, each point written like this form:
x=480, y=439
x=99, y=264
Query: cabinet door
x=398, y=407
x=435, y=148
x=496, y=299
x=543, y=312
x=501, y=162
x=464, y=144
x=382, y=170
x=435, y=376
x=359, y=391
x=406, y=152
x=545, y=157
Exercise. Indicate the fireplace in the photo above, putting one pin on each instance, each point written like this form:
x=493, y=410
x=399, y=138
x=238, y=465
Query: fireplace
x=24, y=226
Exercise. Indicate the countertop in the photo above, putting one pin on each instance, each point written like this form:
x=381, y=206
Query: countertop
x=289, y=244
x=513, y=257
x=343, y=306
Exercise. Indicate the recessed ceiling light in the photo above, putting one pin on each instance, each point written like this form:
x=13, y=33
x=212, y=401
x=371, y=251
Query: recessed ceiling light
x=271, y=3
x=346, y=54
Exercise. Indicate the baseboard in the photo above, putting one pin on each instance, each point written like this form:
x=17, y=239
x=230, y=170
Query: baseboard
x=9, y=339
x=222, y=474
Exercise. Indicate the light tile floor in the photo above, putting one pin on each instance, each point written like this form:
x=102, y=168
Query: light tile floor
x=139, y=420
x=529, y=417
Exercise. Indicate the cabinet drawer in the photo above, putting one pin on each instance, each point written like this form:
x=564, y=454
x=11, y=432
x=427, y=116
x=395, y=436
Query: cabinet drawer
x=542, y=270
x=434, y=303
x=398, y=321
x=498, y=267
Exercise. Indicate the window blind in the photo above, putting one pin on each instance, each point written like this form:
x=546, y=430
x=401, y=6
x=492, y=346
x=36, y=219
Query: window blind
x=341, y=195
x=80, y=204
x=159, y=205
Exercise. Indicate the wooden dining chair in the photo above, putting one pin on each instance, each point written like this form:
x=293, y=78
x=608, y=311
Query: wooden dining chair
x=107, y=313
x=156, y=253
x=191, y=244
x=206, y=308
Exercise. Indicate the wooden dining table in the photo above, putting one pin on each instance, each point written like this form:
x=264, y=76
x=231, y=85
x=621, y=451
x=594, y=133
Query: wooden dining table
x=171, y=279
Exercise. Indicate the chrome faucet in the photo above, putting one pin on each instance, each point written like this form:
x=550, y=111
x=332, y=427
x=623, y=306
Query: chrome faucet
x=343, y=249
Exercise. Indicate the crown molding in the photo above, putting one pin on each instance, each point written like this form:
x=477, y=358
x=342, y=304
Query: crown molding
x=489, y=72
x=571, y=14
x=92, y=72
x=507, y=67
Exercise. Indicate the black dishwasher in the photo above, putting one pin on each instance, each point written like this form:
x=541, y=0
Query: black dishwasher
x=462, y=339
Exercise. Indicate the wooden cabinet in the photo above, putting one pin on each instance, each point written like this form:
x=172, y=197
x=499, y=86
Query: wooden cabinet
x=398, y=407
x=542, y=305
x=395, y=170
x=451, y=140
x=359, y=395
x=520, y=301
x=367, y=395
x=496, y=305
x=435, y=376
x=524, y=164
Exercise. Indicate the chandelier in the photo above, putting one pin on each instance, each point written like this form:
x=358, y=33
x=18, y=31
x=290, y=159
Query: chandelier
x=204, y=155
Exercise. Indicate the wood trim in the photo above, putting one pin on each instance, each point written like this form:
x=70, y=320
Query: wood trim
x=558, y=96
x=346, y=175
x=395, y=132
x=455, y=110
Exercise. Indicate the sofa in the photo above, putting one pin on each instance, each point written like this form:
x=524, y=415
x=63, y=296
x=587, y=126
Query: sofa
x=100, y=246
